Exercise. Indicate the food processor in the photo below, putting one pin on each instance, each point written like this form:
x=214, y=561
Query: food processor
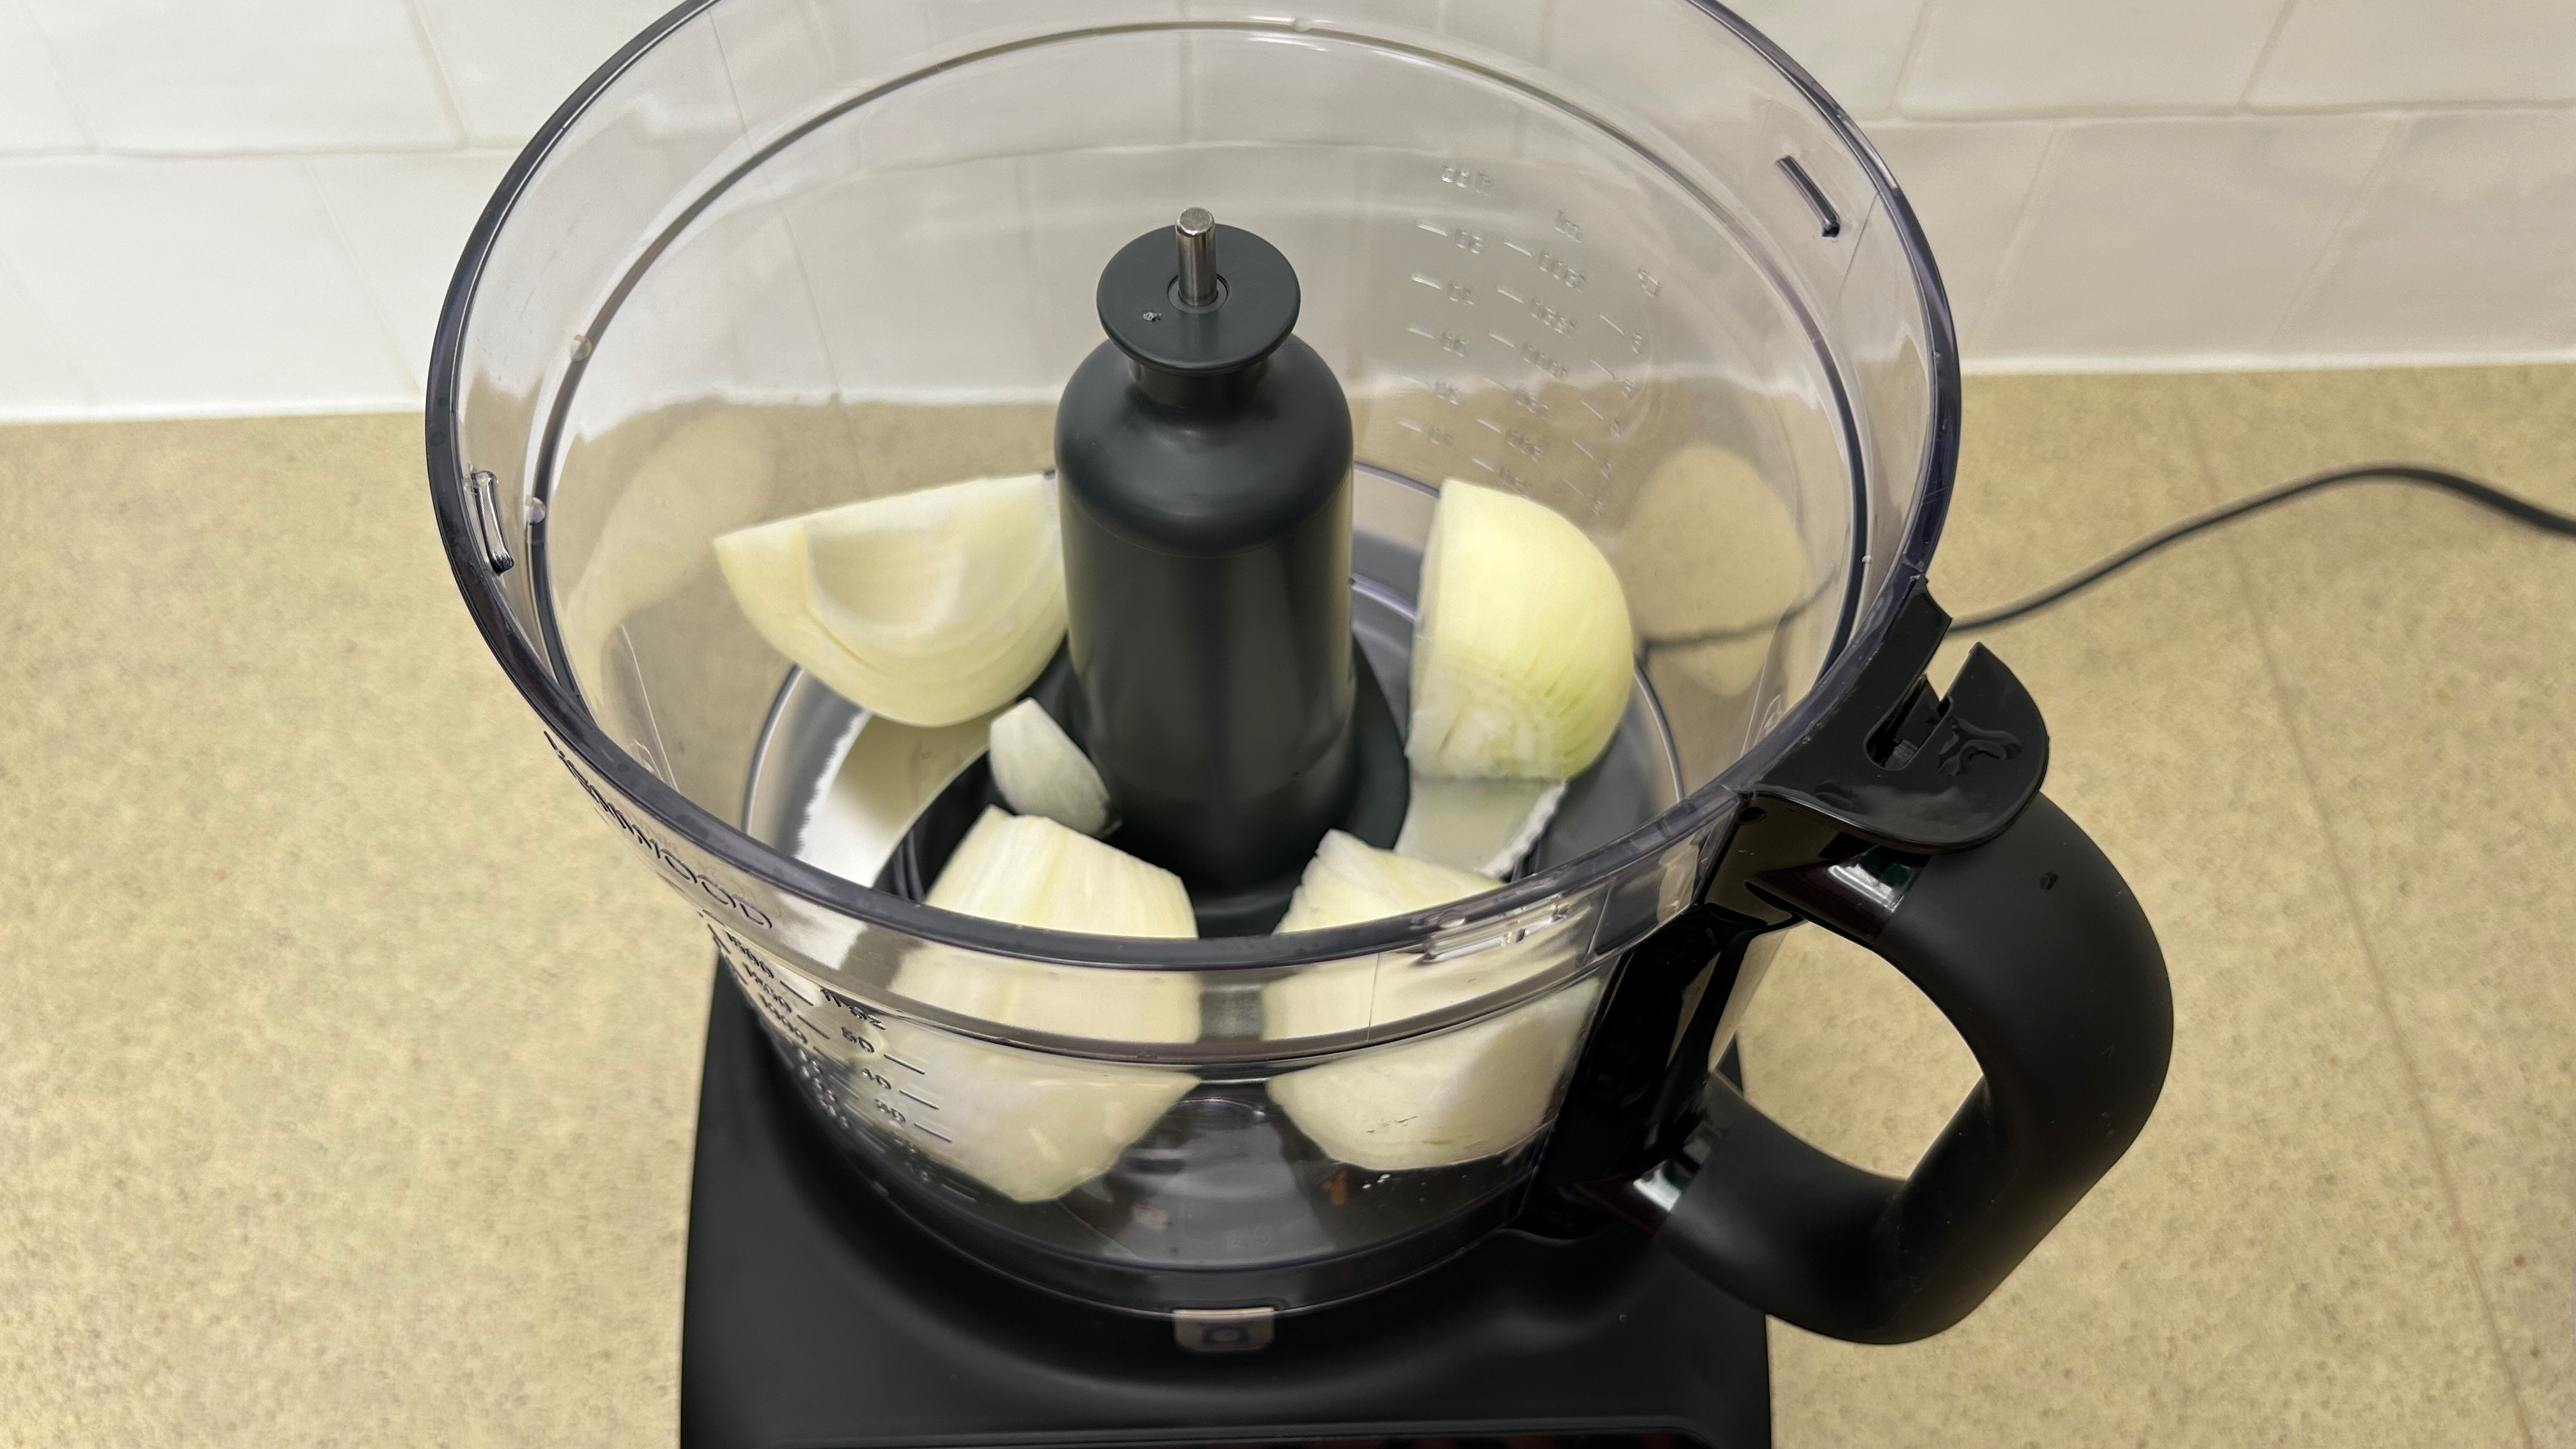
x=1184, y=332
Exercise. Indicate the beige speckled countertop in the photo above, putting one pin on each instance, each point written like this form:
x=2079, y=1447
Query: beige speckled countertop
x=301, y=1144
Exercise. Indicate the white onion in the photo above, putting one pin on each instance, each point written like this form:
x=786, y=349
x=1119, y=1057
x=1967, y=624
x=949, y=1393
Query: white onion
x=1034, y=1125
x=1350, y=880
x=1473, y=1092
x=1481, y=825
x=1031, y=1126
x=1521, y=649
x=1041, y=771
x=1482, y=1089
x=928, y=608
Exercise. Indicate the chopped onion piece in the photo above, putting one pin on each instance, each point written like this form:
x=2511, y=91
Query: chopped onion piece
x=928, y=608
x=1041, y=771
x=1521, y=650
x=1030, y=871
x=1481, y=1089
x=1481, y=825
x=1031, y=1126
x=1034, y=1125
x=1350, y=880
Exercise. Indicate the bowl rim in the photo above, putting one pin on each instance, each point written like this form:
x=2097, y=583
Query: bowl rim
x=1698, y=814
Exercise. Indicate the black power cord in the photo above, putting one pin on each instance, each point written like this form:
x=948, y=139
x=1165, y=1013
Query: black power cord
x=2485, y=495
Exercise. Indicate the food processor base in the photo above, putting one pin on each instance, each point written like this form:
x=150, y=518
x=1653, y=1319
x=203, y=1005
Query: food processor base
x=817, y=1316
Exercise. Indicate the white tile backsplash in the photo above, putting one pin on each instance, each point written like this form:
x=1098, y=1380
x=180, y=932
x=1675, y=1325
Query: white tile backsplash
x=35, y=109
x=2465, y=241
x=1967, y=182
x=2085, y=57
x=212, y=205
x=1126, y=91
x=2153, y=238
x=949, y=301
x=37, y=378
x=248, y=75
x=1284, y=90
x=196, y=285
x=511, y=62
x=1514, y=27
x=776, y=59
x=2413, y=52
x=1856, y=49
x=404, y=220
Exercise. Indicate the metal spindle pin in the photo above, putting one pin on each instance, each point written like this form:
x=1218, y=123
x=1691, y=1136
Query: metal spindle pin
x=1197, y=232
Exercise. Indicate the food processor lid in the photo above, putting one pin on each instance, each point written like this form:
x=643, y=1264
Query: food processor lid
x=479, y=567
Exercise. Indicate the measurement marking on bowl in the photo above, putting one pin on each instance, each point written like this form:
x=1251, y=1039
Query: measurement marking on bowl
x=1450, y=342
x=1464, y=239
x=1535, y=356
x=867, y=1014
x=1627, y=389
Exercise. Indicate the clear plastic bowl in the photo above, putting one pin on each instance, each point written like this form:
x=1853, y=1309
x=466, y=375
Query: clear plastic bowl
x=1620, y=257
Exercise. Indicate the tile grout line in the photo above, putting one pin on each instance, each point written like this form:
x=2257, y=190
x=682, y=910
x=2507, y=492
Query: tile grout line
x=2017, y=241
x=2417, y=1096
x=2195, y=111
x=1905, y=62
x=72, y=102
x=387, y=335
x=2339, y=241
x=11, y=280
x=448, y=100
x=2263, y=57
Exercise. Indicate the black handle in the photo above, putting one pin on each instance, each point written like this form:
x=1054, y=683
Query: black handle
x=2035, y=949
